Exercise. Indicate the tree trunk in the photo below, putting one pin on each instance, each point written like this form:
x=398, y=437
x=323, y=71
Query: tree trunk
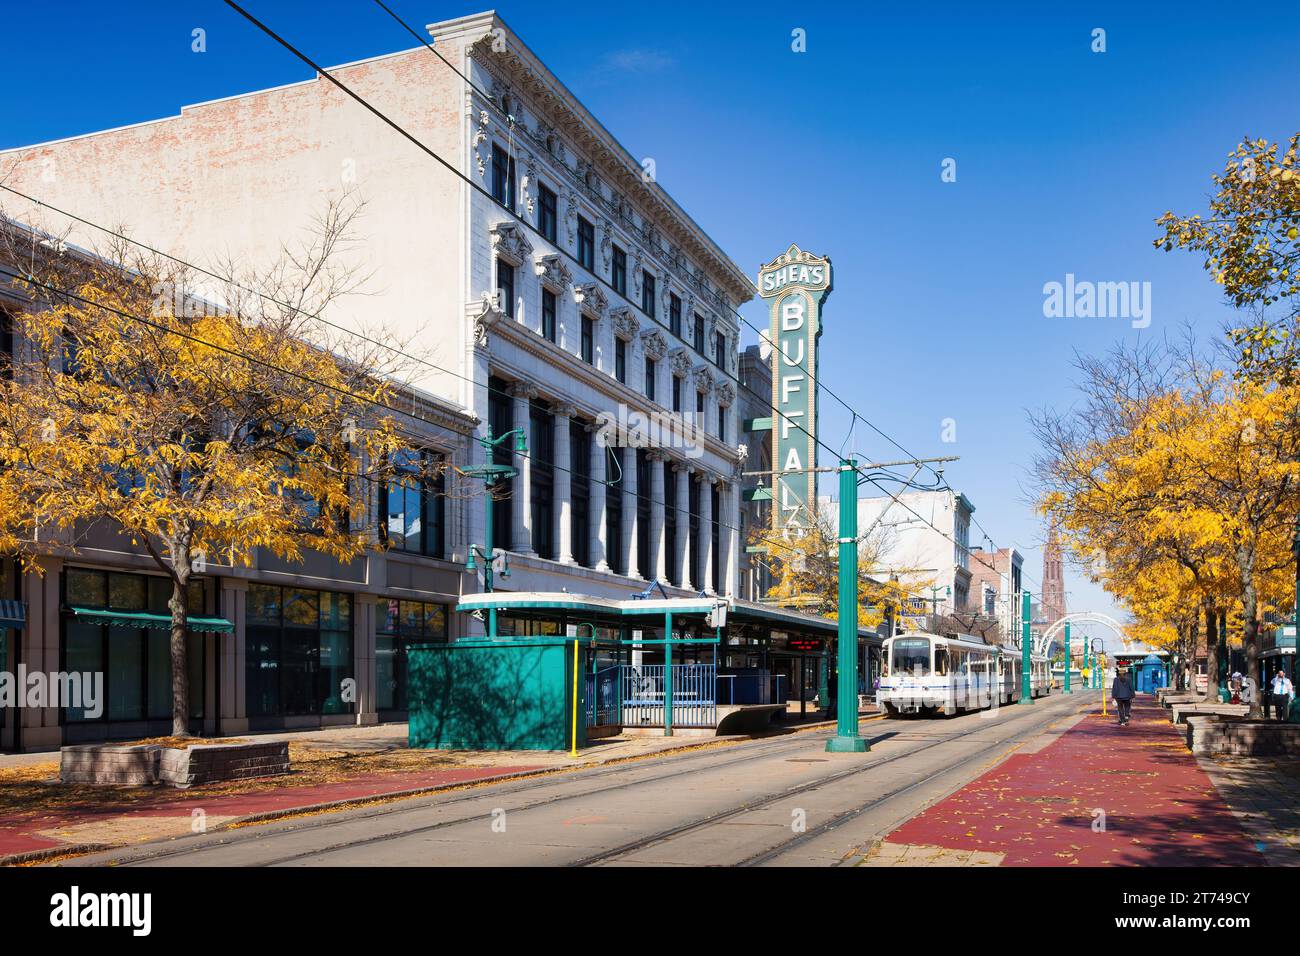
x=1211, y=657
x=1250, y=640
x=179, y=655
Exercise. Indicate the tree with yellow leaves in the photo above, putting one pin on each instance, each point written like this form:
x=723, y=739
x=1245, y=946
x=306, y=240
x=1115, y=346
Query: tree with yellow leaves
x=200, y=432
x=1177, y=483
x=1251, y=243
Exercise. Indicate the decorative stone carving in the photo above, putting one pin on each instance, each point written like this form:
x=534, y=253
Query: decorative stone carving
x=606, y=243
x=655, y=344
x=524, y=390
x=481, y=137
x=626, y=325
x=509, y=241
x=528, y=183
x=591, y=298
x=571, y=215
x=726, y=394
x=637, y=272
x=563, y=408
x=680, y=360
x=485, y=314
x=553, y=272
x=703, y=380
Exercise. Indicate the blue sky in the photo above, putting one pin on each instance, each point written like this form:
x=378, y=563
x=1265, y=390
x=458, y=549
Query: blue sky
x=1064, y=157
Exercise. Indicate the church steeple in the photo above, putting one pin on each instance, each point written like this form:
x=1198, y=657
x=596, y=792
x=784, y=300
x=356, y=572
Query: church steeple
x=1053, y=598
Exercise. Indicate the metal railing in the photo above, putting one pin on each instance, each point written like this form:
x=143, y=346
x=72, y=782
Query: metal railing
x=694, y=695
x=603, y=707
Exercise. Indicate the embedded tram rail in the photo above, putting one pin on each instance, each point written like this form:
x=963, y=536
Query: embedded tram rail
x=712, y=807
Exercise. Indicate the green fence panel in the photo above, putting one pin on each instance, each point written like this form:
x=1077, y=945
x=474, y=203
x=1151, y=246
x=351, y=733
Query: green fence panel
x=497, y=695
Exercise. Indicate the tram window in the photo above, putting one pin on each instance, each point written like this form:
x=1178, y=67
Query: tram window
x=941, y=661
x=912, y=656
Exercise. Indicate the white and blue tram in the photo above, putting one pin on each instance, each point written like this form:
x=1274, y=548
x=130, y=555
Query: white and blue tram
x=946, y=674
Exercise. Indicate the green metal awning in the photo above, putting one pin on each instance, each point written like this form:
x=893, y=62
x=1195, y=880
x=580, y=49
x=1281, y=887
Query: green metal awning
x=159, y=622
x=13, y=613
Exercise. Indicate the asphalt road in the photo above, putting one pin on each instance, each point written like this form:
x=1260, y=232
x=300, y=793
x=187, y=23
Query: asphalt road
x=770, y=802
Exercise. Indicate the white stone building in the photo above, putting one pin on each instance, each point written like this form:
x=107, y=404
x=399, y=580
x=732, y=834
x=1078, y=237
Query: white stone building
x=558, y=290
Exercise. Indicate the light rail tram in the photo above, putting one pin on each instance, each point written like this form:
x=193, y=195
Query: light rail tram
x=931, y=674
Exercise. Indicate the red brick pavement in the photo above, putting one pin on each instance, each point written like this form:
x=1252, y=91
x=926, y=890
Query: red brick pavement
x=1161, y=809
x=26, y=833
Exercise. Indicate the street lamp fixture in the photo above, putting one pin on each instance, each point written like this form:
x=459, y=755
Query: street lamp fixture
x=492, y=473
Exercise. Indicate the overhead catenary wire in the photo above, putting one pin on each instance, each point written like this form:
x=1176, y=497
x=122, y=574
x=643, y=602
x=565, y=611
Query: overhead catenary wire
x=529, y=226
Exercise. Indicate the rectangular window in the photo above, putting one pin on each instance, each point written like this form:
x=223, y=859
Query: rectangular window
x=620, y=360
x=135, y=661
x=299, y=651
x=699, y=334
x=677, y=393
x=546, y=215
x=588, y=340
x=401, y=624
x=699, y=407
x=6, y=344
x=720, y=350
x=722, y=423
x=548, y=315
x=675, y=314
x=586, y=245
x=503, y=178
x=650, y=370
x=506, y=286
x=614, y=554
x=618, y=277
x=648, y=285
x=414, y=502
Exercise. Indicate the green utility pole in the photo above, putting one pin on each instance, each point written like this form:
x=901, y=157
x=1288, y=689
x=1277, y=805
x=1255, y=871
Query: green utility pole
x=1067, y=658
x=846, y=739
x=491, y=474
x=1026, y=665
x=668, y=674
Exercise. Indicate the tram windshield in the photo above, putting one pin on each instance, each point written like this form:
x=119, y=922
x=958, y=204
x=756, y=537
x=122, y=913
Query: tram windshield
x=911, y=656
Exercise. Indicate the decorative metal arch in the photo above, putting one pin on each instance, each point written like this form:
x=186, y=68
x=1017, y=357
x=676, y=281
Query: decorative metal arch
x=1081, y=617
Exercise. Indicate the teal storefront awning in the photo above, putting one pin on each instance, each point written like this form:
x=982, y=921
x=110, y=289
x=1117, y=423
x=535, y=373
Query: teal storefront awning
x=13, y=614
x=160, y=622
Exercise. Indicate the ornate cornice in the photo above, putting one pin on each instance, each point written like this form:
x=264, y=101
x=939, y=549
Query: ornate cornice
x=553, y=272
x=655, y=344
x=591, y=298
x=626, y=325
x=511, y=72
x=508, y=240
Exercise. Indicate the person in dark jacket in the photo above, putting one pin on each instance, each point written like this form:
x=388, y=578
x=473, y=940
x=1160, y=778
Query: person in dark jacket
x=1121, y=691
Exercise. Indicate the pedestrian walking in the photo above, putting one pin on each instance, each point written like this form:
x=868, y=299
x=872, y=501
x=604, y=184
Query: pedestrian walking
x=1247, y=689
x=1282, y=693
x=1121, y=691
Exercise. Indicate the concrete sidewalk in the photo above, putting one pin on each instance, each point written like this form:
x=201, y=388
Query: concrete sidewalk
x=1091, y=794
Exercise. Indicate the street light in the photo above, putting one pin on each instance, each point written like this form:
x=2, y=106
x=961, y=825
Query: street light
x=491, y=474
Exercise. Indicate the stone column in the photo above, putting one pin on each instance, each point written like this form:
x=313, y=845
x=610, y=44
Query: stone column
x=364, y=639
x=630, y=502
x=729, y=502
x=562, y=503
x=658, y=553
x=706, y=532
x=521, y=510
x=596, y=518
x=684, y=473
x=232, y=708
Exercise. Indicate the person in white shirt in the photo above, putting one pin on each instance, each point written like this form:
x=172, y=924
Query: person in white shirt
x=1282, y=693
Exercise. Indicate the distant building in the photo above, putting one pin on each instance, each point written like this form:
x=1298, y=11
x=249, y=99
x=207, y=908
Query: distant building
x=1053, y=596
x=926, y=544
x=756, y=504
x=995, y=585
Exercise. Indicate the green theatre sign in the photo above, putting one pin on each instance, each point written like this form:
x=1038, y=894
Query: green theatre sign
x=796, y=284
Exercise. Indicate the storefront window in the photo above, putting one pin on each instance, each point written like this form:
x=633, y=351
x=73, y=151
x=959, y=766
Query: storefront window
x=401, y=624
x=298, y=651
x=135, y=661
